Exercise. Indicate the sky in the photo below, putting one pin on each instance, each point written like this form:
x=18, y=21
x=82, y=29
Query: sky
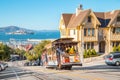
x=45, y=14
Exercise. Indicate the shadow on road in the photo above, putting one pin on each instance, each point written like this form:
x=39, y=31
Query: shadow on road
x=103, y=68
x=9, y=74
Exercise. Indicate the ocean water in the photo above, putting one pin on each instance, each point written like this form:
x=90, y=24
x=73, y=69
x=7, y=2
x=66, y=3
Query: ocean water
x=37, y=35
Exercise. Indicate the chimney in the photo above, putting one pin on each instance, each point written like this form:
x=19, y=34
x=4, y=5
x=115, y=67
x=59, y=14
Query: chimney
x=79, y=9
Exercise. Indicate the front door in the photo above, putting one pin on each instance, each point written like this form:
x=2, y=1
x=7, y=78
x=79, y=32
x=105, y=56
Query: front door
x=102, y=47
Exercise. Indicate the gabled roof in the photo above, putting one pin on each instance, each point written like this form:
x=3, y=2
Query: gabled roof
x=114, y=15
x=104, y=18
x=66, y=18
x=77, y=20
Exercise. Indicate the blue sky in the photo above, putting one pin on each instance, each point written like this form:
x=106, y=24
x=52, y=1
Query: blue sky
x=45, y=14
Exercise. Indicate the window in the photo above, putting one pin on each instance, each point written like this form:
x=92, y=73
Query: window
x=117, y=56
x=118, y=18
x=113, y=30
x=85, y=46
x=116, y=30
x=92, y=45
x=74, y=31
x=89, y=18
x=89, y=32
x=117, y=43
x=88, y=45
x=63, y=32
x=113, y=44
x=93, y=31
x=85, y=32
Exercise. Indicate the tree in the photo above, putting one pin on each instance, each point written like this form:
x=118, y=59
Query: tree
x=38, y=49
x=5, y=52
x=31, y=56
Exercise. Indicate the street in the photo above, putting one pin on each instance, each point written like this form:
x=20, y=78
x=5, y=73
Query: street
x=14, y=73
x=86, y=72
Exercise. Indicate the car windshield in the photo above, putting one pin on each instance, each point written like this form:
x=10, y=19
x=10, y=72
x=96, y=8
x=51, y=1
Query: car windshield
x=108, y=56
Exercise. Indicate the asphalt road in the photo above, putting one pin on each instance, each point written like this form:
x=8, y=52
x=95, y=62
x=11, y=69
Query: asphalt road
x=92, y=71
x=15, y=73
x=101, y=72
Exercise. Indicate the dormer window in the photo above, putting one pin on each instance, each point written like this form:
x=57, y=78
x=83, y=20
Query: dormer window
x=118, y=18
x=89, y=18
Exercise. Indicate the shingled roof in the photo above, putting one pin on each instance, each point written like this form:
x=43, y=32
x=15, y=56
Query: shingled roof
x=66, y=18
x=105, y=18
x=77, y=20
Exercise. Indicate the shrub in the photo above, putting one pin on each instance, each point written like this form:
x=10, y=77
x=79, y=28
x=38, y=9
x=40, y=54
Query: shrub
x=94, y=52
x=114, y=49
x=85, y=54
x=89, y=53
x=118, y=48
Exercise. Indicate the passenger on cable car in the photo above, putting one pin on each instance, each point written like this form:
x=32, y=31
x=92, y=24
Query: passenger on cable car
x=44, y=57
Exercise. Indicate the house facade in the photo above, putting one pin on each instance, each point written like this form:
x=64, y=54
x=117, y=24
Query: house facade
x=93, y=30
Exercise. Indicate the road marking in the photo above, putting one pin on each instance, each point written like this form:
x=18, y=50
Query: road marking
x=15, y=74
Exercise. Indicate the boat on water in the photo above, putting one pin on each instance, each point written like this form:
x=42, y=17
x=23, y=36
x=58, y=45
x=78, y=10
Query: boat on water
x=20, y=32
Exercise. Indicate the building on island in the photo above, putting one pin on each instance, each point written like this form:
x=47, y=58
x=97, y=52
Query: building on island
x=94, y=30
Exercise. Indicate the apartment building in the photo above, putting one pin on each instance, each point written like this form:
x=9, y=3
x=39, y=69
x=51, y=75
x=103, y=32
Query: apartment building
x=93, y=30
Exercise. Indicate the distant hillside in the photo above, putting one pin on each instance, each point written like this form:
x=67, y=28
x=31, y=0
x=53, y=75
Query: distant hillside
x=11, y=29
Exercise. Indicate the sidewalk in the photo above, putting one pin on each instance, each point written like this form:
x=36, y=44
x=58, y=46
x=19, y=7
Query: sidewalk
x=94, y=61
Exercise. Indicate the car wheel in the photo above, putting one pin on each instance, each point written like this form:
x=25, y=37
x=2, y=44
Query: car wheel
x=117, y=63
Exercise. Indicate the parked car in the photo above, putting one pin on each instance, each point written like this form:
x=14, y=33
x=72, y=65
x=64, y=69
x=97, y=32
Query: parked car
x=2, y=67
x=5, y=65
x=26, y=64
x=32, y=63
x=113, y=59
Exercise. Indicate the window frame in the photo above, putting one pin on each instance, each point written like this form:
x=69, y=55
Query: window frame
x=89, y=45
x=118, y=19
x=89, y=19
x=89, y=32
x=116, y=30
